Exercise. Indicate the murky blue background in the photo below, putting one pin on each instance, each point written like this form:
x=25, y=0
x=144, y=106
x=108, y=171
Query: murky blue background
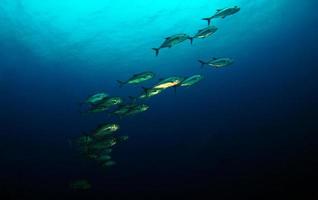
x=243, y=129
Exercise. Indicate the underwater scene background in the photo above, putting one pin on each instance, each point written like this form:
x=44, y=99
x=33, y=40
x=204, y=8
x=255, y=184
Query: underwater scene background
x=244, y=130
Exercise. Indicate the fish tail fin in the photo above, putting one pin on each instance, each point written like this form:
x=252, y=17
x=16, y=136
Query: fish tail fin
x=121, y=83
x=202, y=63
x=156, y=50
x=208, y=19
x=191, y=40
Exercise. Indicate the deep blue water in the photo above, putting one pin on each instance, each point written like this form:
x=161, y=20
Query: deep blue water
x=244, y=130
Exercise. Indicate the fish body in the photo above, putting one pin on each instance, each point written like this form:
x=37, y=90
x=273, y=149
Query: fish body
x=96, y=98
x=206, y=32
x=91, y=156
x=191, y=80
x=169, y=82
x=84, y=140
x=138, y=78
x=150, y=92
x=96, y=109
x=106, y=151
x=130, y=109
x=123, y=109
x=105, y=129
x=104, y=105
x=137, y=109
x=222, y=13
x=109, y=102
x=109, y=163
x=123, y=138
x=218, y=62
x=104, y=144
x=172, y=41
x=96, y=153
x=104, y=158
x=80, y=185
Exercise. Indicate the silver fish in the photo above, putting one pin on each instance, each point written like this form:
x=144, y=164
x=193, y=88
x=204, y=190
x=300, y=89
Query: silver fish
x=137, y=78
x=217, y=62
x=191, y=80
x=206, y=32
x=172, y=41
x=222, y=13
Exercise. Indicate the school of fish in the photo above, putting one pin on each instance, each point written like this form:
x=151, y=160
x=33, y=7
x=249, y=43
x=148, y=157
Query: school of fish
x=98, y=143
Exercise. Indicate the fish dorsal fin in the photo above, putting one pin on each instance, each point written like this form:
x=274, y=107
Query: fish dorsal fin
x=218, y=10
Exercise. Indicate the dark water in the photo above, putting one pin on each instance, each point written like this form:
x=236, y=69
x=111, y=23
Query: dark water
x=245, y=130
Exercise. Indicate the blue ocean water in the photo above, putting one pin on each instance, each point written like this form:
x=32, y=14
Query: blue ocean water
x=244, y=129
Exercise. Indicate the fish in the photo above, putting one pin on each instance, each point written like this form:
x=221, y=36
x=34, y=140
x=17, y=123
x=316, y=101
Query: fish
x=106, y=151
x=137, y=78
x=206, y=32
x=109, y=102
x=104, y=144
x=96, y=98
x=103, y=105
x=80, y=185
x=92, y=156
x=150, y=92
x=109, y=163
x=123, y=138
x=122, y=109
x=169, y=82
x=172, y=41
x=217, y=62
x=84, y=140
x=104, y=158
x=130, y=109
x=222, y=13
x=137, y=109
x=105, y=129
x=96, y=109
x=191, y=80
